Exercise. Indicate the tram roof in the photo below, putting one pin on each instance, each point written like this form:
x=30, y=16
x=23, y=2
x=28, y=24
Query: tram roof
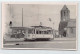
x=44, y=27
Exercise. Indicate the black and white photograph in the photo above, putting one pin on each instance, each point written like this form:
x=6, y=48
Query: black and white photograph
x=39, y=26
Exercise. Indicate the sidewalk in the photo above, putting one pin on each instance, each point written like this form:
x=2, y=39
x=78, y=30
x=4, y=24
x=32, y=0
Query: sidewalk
x=64, y=38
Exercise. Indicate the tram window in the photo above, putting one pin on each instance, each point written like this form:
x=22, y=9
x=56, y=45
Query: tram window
x=45, y=32
x=30, y=31
x=49, y=31
x=39, y=32
x=36, y=32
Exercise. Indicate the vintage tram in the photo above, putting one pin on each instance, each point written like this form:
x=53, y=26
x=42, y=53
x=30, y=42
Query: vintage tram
x=32, y=33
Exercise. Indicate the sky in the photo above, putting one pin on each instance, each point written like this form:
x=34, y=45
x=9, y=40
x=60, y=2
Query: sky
x=33, y=14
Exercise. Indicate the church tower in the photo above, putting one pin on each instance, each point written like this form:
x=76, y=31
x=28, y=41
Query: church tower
x=65, y=17
x=65, y=13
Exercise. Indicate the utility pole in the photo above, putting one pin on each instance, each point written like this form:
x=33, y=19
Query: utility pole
x=22, y=17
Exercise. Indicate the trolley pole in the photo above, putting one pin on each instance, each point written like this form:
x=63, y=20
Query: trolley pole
x=22, y=17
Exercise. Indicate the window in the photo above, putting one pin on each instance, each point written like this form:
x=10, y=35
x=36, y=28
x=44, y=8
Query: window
x=49, y=31
x=71, y=30
x=44, y=32
x=30, y=31
x=64, y=13
x=39, y=32
x=36, y=32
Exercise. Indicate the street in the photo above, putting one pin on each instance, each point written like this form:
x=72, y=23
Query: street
x=55, y=44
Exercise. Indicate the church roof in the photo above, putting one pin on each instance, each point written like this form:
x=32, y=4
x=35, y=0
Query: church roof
x=67, y=24
x=72, y=23
x=65, y=8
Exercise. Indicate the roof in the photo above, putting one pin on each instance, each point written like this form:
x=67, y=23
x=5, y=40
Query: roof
x=44, y=27
x=65, y=8
x=72, y=23
x=18, y=27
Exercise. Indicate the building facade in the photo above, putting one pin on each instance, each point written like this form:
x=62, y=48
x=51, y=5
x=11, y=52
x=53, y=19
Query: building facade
x=67, y=26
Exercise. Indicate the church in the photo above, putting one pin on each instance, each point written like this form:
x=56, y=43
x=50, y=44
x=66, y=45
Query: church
x=67, y=26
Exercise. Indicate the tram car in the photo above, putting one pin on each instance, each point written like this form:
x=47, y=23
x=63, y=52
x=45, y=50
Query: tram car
x=32, y=33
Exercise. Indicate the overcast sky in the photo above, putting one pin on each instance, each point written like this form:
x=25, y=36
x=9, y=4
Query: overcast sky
x=33, y=14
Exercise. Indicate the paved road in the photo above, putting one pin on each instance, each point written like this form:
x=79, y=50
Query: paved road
x=67, y=44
